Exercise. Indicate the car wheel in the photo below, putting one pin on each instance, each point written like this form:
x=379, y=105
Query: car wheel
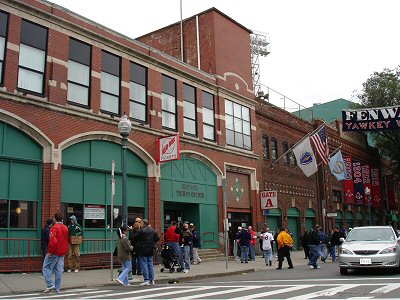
x=344, y=271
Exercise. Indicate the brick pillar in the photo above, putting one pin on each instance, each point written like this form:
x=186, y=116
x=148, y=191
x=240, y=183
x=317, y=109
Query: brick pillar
x=125, y=74
x=12, y=53
x=179, y=107
x=155, y=213
x=95, y=79
x=155, y=105
x=51, y=185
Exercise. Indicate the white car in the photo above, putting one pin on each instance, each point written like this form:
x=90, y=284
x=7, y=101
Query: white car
x=370, y=247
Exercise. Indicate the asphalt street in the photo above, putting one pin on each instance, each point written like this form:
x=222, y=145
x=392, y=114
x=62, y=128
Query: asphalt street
x=299, y=283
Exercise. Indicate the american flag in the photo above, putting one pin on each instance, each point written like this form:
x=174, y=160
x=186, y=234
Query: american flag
x=320, y=142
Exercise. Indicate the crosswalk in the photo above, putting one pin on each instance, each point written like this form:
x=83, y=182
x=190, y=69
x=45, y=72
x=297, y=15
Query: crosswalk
x=224, y=291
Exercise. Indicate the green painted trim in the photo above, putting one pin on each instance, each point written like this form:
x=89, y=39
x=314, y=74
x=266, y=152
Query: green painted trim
x=310, y=213
x=349, y=215
x=339, y=215
x=293, y=212
x=275, y=212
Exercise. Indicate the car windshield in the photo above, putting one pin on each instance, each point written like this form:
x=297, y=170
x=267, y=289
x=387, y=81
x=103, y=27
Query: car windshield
x=371, y=234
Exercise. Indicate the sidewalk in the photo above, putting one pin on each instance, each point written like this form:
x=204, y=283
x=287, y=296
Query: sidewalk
x=34, y=282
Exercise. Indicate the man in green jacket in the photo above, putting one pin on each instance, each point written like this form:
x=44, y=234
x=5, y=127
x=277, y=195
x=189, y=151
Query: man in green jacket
x=74, y=251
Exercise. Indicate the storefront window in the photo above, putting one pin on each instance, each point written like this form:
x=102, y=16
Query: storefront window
x=23, y=214
x=70, y=209
x=3, y=213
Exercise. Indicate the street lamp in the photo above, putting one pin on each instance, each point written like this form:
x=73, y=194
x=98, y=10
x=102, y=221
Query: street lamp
x=124, y=128
x=368, y=194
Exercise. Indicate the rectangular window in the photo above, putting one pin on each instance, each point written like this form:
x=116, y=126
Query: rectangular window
x=208, y=116
x=138, y=92
x=110, y=83
x=23, y=214
x=274, y=149
x=238, y=127
x=286, y=158
x=292, y=157
x=3, y=39
x=79, y=72
x=32, y=58
x=336, y=196
x=189, y=110
x=265, y=143
x=168, y=102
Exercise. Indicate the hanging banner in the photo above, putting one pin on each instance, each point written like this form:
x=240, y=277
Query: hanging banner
x=168, y=148
x=390, y=192
x=366, y=180
x=376, y=188
x=371, y=119
x=348, y=181
x=358, y=184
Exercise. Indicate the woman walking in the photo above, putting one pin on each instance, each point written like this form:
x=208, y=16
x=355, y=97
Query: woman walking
x=124, y=255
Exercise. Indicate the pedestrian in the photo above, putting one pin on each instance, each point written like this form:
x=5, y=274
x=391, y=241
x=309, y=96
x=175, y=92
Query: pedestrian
x=304, y=243
x=285, y=244
x=74, y=251
x=244, y=238
x=276, y=240
x=196, y=245
x=172, y=238
x=54, y=260
x=334, y=241
x=313, y=242
x=239, y=254
x=136, y=269
x=252, y=253
x=267, y=239
x=186, y=239
x=45, y=237
x=146, y=240
x=260, y=241
x=321, y=245
x=124, y=255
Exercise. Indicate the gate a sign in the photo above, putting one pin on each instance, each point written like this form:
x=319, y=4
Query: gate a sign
x=269, y=199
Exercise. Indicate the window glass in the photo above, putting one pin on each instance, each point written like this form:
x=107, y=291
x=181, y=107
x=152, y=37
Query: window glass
x=168, y=86
x=78, y=94
x=109, y=83
x=168, y=120
x=265, y=142
x=190, y=126
x=3, y=23
x=70, y=209
x=79, y=52
x=189, y=110
x=23, y=214
x=33, y=35
x=2, y=47
x=110, y=63
x=3, y=213
x=292, y=157
x=138, y=111
x=230, y=137
x=208, y=132
x=237, y=119
x=109, y=103
x=30, y=81
x=138, y=92
x=189, y=93
x=274, y=149
x=168, y=102
x=138, y=74
x=208, y=116
x=31, y=58
x=78, y=73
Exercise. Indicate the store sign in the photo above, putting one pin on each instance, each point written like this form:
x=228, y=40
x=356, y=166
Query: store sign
x=190, y=190
x=331, y=214
x=269, y=199
x=371, y=119
x=168, y=148
x=95, y=212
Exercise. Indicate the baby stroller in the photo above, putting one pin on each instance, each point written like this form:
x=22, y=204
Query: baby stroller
x=169, y=259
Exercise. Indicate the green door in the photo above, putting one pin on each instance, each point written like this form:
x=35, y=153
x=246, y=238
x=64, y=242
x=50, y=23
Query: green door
x=339, y=219
x=310, y=218
x=293, y=225
x=274, y=220
x=191, y=186
x=349, y=219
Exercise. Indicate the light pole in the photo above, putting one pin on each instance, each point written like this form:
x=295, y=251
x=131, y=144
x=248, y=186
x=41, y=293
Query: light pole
x=124, y=128
x=368, y=194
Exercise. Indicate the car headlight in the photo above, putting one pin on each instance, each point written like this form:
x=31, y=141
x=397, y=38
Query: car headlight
x=388, y=250
x=345, y=251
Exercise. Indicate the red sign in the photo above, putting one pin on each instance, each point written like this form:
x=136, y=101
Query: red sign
x=269, y=199
x=348, y=182
x=366, y=179
x=168, y=148
x=376, y=200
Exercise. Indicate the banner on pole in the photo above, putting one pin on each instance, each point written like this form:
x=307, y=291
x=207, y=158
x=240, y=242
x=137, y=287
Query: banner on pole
x=348, y=181
x=376, y=200
x=305, y=157
x=358, y=183
x=366, y=179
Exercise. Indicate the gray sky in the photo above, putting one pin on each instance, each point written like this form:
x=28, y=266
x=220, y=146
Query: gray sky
x=320, y=50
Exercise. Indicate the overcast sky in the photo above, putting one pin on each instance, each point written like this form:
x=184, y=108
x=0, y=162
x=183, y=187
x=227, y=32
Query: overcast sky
x=320, y=50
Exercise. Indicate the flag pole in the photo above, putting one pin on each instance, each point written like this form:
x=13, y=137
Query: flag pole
x=291, y=148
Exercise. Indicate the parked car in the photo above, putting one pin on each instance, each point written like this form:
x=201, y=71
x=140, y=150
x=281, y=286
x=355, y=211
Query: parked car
x=370, y=247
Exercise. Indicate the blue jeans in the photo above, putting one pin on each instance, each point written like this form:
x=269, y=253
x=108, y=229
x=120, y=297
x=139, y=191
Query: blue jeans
x=244, y=250
x=268, y=255
x=331, y=250
x=53, y=264
x=187, y=256
x=136, y=269
x=177, y=249
x=252, y=252
x=314, y=254
x=321, y=250
x=146, y=263
x=126, y=268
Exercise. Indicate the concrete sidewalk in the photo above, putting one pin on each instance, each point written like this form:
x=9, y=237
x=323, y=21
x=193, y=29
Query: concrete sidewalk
x=34, y=282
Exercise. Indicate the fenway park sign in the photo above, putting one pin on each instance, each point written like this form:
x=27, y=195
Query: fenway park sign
x=371, y=119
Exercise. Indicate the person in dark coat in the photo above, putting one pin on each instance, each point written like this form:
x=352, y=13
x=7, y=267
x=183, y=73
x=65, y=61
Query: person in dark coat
x=304, y=243
x=136, y=269
x=313, y=242
x=244, y=238
x=333, y=242
x=196, y=244
x=260, y=241
x=146, y=240
x=45, y=238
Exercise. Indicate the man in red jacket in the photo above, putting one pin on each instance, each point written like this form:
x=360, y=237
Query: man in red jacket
x=54, y=260
x=172, y=237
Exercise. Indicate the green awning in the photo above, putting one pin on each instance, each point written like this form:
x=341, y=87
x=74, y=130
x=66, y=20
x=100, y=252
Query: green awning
x=394, y=218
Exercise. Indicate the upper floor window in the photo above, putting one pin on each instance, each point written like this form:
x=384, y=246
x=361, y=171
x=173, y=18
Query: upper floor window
x=292, y=158
x=336, y=196
x=3, y=38
x=32, y=58
x=168, y=102
x=189, y=109
x=237, y=125
x=208, y=116
x=138, y=92
x=286, y=158
x=110, y=83
x=79, y=72
x=265, y=144
x=274, y=148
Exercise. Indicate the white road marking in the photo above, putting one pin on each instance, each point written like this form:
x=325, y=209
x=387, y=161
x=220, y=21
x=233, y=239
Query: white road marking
x=386, y=289
x=228, y=291
x=142, y=290
x=326, y=293
x=43, y=295
x=313, y=280
x=189, y=290
x=256, y=295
